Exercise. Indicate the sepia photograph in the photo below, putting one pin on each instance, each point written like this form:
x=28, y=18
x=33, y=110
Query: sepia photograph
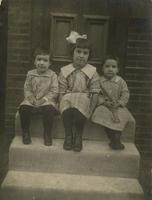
x=75, y=99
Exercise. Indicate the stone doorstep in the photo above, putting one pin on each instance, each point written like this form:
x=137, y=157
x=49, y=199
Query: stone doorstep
x=32, y=185
x=91, y=131
x=96, y=158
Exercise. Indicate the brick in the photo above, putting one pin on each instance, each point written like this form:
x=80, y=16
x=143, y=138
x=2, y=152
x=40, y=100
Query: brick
x=18, y=57
x=11, y=109
x=22, y=37
x=20, y=51
x=139, y=43
x=18, y=70
x=139, y=50
x=140, y=36
x=15, y=83
x=146, y=64
x=139, y=57
x=139, y=69
x=19, y=30
x=144, y=77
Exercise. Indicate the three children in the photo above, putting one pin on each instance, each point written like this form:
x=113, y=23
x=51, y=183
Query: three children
x=81, y=91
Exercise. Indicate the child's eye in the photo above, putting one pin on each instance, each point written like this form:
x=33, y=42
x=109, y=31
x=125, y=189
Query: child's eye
x=86, y=53
x=45, y=60
x=78, y=51
x=114, y=66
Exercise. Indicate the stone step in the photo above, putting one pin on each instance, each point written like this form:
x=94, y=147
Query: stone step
x=92, y=131
x=45, y=186
x=96, y=158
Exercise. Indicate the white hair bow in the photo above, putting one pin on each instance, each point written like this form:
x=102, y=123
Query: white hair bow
x=74, y=36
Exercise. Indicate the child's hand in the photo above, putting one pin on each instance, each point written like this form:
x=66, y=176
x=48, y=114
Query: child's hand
x=108, y=104
x=91, y=112
x=116, y=105
x=40, y=102
x=32, y=100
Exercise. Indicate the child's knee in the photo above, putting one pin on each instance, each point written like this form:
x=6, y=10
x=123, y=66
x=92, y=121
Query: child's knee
x=49, y=109
x=24, y=109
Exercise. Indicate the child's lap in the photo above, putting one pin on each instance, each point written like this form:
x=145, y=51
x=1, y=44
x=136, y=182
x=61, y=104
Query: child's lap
x=75, y=99
x=103, y=116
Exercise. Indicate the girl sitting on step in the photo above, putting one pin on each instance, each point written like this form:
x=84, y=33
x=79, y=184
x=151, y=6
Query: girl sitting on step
x=40, y=92
x=111, y=111
x=76, y=84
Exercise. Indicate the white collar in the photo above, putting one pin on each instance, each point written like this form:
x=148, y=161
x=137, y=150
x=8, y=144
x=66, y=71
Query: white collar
x=88, y=69
x=114, y=79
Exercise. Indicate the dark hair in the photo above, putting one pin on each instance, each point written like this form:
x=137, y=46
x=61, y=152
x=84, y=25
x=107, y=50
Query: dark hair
x=81, y=43
x=113, y=57
x=41, y=51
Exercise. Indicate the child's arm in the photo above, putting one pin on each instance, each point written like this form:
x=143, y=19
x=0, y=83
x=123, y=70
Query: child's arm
x=52, y=93
x=63, y=85
x=28, y=94
x=54, y=88
x=93, y=102
x=94, y=91
x=124, y=95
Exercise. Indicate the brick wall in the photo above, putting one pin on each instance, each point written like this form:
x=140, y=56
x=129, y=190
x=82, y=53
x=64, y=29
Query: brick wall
x=138, y=72
x=18, y=56
x=3, y=59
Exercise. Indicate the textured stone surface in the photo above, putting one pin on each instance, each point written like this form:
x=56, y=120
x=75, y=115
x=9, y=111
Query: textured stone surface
x=96, y=158
x=44, y=186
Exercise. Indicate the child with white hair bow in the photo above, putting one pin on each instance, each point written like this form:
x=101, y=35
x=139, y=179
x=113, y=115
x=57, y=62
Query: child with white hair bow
x=77, y=84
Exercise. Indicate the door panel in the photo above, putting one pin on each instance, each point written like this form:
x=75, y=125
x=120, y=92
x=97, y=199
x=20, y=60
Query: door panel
x=62, y=24
x=60, y=17
x=96, y=28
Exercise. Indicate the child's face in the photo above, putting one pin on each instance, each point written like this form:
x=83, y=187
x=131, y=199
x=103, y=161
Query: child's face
x=42, y=63
x=110, y=68
x=80, y=57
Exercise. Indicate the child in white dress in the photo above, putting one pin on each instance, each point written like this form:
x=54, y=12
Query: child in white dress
x=111, y=111
x=76, y=84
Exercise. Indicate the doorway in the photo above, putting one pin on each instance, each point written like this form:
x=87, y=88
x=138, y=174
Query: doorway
x=55, y=19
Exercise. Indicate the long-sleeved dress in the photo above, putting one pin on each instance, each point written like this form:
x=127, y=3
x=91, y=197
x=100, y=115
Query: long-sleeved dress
x=77, y=85
x=41, y=86
x=118, y=91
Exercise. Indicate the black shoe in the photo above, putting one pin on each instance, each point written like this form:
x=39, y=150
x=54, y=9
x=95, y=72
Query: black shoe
x=26, y=138
x=48, y=142
x=78, y=143
x=116, y=146
x=68, y=143
x=47, y=139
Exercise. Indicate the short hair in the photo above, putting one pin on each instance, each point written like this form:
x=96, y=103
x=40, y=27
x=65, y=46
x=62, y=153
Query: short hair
x=113, y=57
x=81, y=43
x=110, y=56
x=42, y=51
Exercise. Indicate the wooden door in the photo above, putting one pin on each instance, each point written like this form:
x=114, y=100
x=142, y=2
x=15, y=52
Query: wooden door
x=56, y=18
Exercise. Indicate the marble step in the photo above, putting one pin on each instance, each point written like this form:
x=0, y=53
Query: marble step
x=92, y=131
x=53, y=186
x=96, y=158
